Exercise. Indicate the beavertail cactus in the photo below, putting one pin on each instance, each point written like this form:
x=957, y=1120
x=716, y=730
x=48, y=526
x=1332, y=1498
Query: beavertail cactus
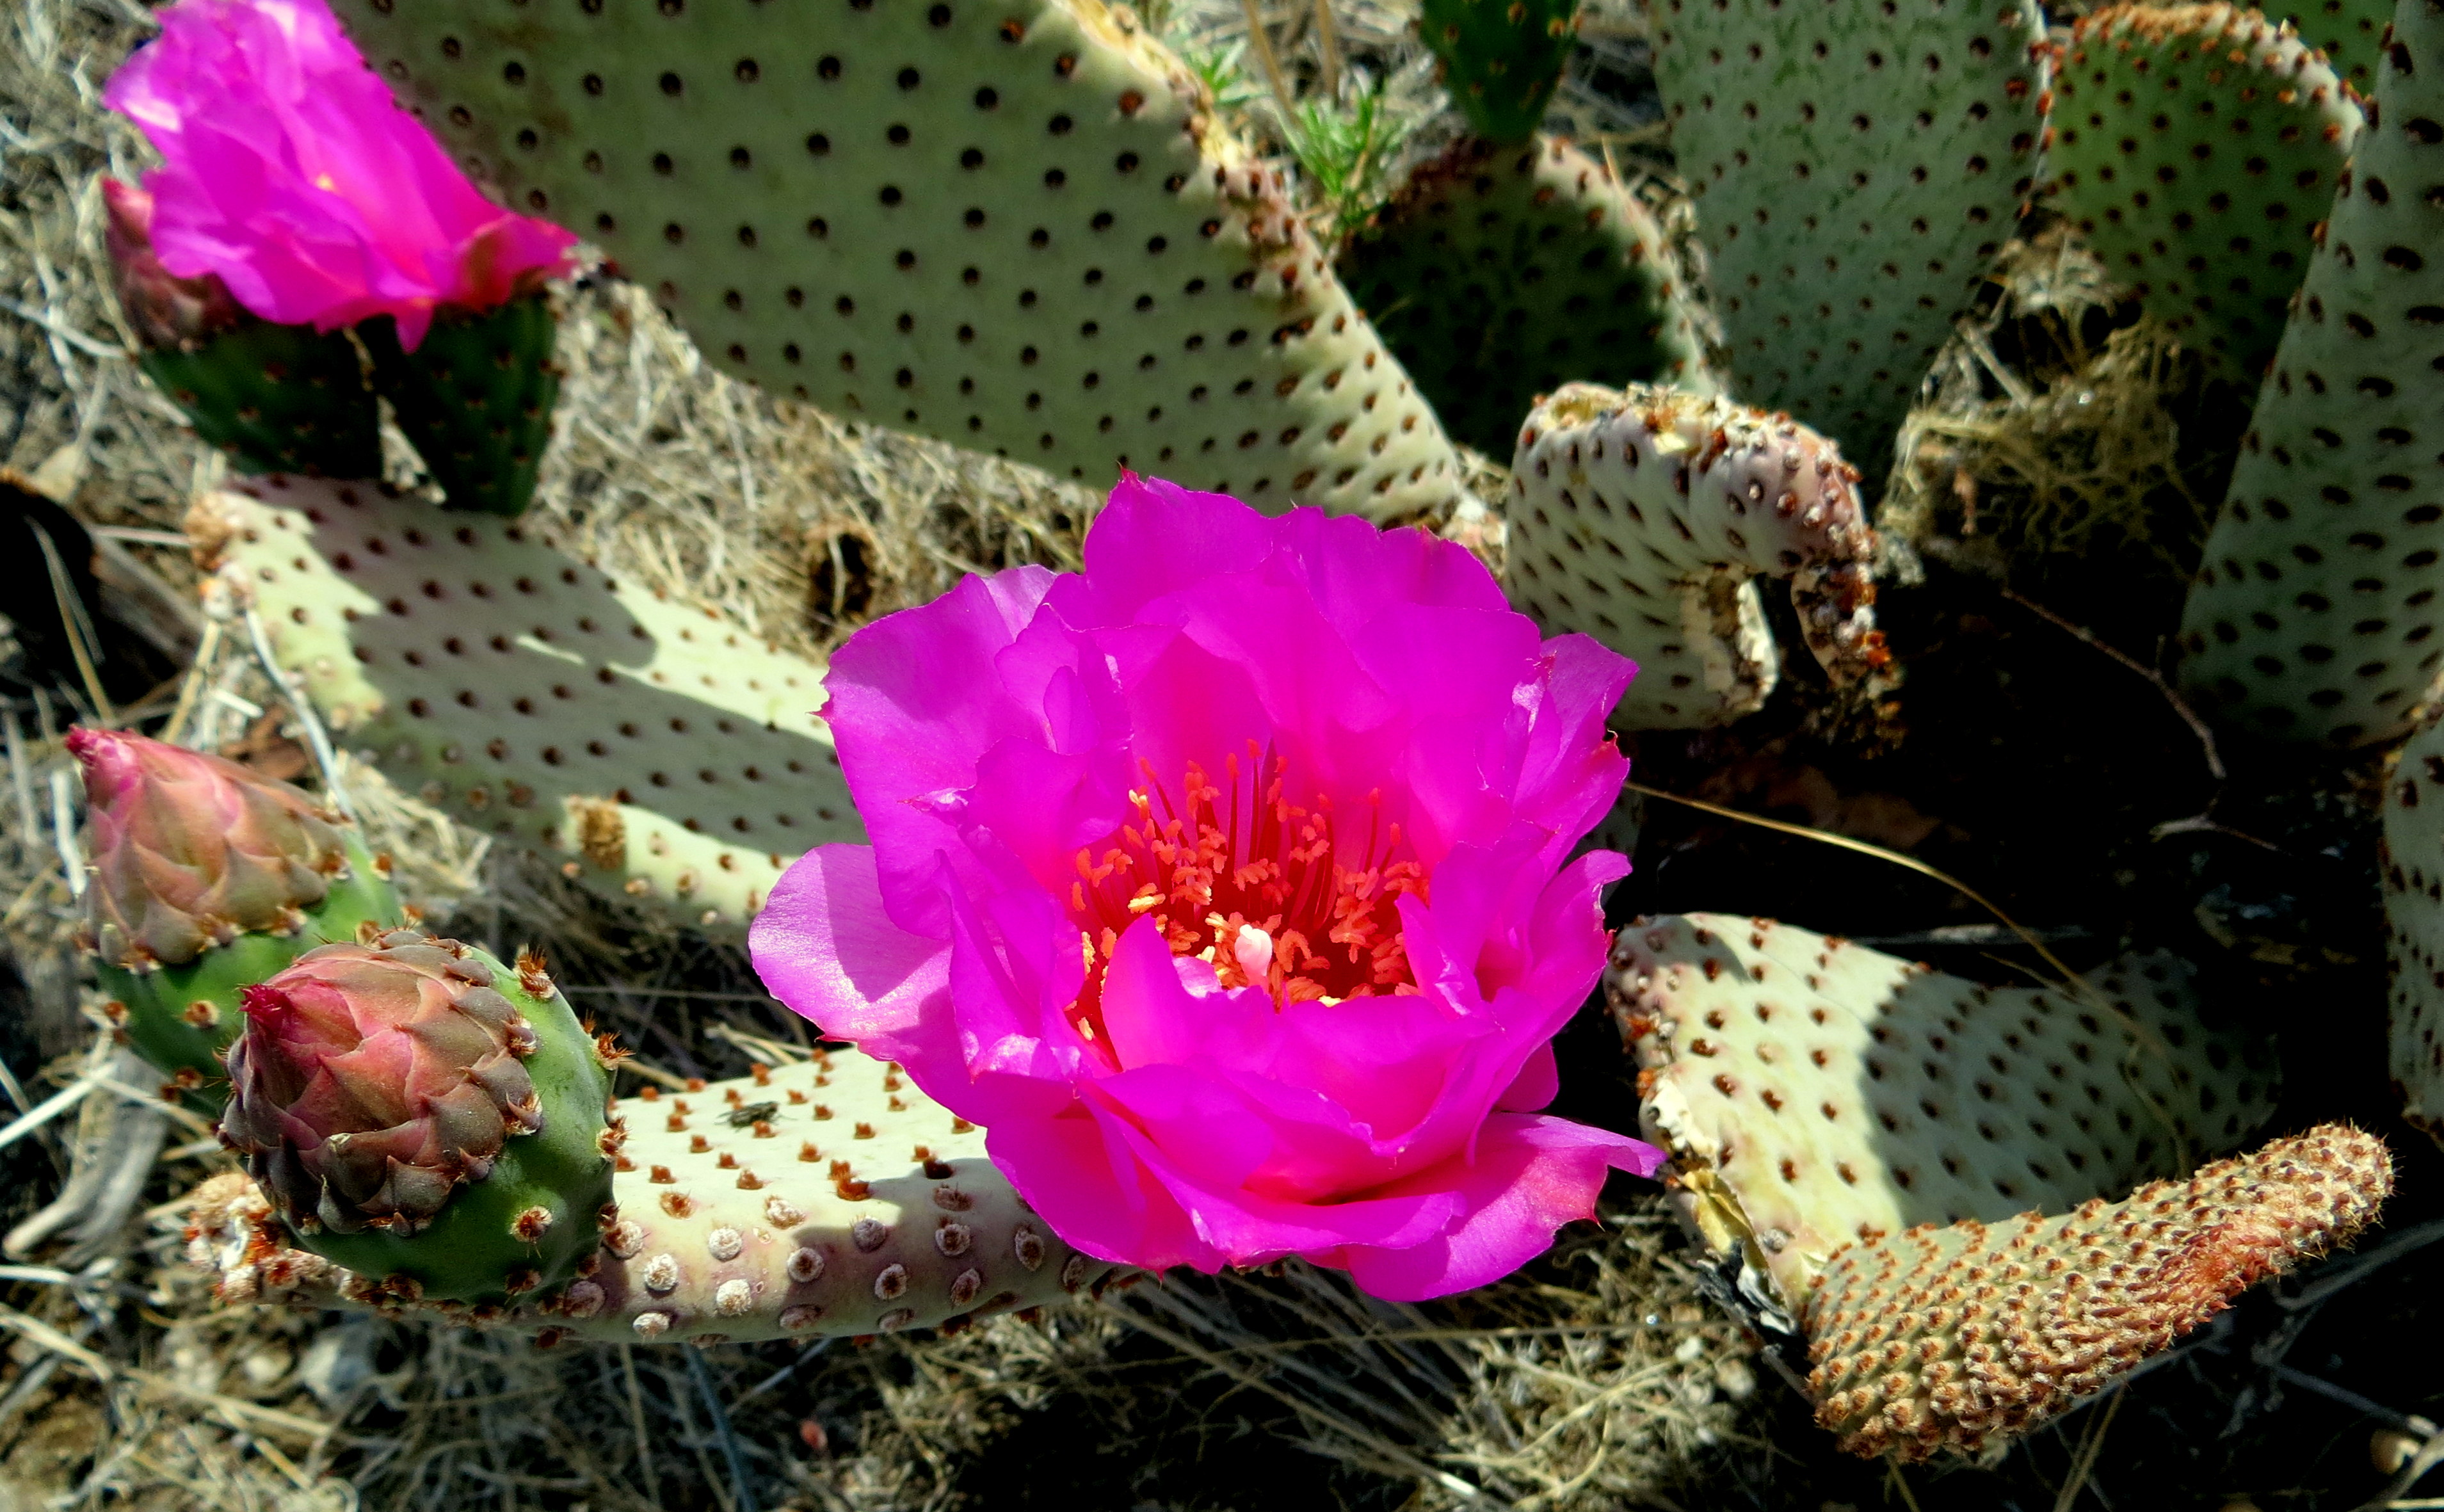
x=1501, y=58
x=1817, y=1094
x=661, y=755
x=1954, y=1338
x=423, y=1114
x=2412, y=869
x=1856, y=167
x=2196, y=148
x=824, y=1197
x=207, y=877
x=1642, y=517
x=278, y=398
x=1498, y=273
x=1013, y=223
x=2312, y=616
x=2349, y=32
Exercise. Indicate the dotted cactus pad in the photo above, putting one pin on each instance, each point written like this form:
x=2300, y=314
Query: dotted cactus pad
x=2313, y=616
x=2349, y=32
x=825, y=1198
x=1011, y=223
x=660, y=755
x=1500, y=59
x=476, y=398
x=2196, y=148
x=1956, y=1339
x=1500, y=273
x=2412, y=868
x=1640, y=517
x=1816, y=1094
x=1857, y=168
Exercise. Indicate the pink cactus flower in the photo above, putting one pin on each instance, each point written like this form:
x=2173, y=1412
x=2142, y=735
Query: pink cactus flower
x=1227, y=884
x=291, y=174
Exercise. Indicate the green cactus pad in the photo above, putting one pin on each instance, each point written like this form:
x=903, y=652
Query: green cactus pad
x=2412, y=863
x=181, y=1017
x=662, y=755
x=277, y=398
x=2313, y=612
x=1500, y=273
x=898, y=1220
x=1815, y=1093
x=2066, y=1305
x=1013, y=223
x=1857, y=168
x=476, y=398
x=1501, y=58
x=2196, y=149
x=2349, y=32
x=537, y=1214
x=1642, y=517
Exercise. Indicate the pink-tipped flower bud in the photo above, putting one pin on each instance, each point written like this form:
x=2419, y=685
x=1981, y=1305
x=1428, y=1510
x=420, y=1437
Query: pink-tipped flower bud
x=192, y=851
x=166, y=311
x=372, y=1080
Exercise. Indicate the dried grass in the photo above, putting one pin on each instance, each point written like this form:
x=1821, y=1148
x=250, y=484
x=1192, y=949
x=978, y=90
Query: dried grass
x=1600, y=1379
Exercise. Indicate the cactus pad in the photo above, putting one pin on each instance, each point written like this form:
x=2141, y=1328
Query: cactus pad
x=1857, y=168
x=1816, y=1092
x=2313, y=612
x=277, y=398
x=729, y=1228
x=2196, y=148
x=1499, y=273
x=1641, y=518
x=1501, y=58
x=476, y=398
x=2349, y=32
x=1013, y=223
x=1952, y=1338
x=2412, y=869
x=662, y=755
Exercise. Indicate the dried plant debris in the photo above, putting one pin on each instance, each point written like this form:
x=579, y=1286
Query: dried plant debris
x=1816, y=1094
x=1955, y=1337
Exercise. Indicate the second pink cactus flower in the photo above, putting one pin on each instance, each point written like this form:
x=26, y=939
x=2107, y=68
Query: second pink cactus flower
x=290, y=173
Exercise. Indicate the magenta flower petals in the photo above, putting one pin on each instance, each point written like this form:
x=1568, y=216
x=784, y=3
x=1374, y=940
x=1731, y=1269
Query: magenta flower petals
x=1224, y=884
x=1528, y=1176
x=290, y=173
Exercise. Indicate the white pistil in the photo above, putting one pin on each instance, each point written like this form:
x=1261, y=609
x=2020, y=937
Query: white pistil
x=1253, y=949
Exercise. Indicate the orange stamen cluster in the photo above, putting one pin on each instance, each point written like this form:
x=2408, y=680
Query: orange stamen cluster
x=1224, y=862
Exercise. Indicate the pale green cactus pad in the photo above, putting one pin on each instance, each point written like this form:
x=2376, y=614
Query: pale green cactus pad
x=2412, y=869
x=1816, y=1094
x=2059, y=1308
x=1642, y=517
x=1856, y=167
x=1013, y=223
x=2196, y=149
x=1498, y=273
x=825, y=1198
x=2313, y=615
x=664, y=756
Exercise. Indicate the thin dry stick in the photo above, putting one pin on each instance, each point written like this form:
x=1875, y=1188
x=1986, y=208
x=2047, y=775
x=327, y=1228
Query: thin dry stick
x=2091, y=1444
x=1262, y=41
x=1328, y=40
x=2070, y=978
x=637, y=1422
x=2181, y=705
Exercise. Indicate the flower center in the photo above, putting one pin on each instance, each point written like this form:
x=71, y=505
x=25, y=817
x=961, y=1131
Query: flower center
x=1265, y=889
